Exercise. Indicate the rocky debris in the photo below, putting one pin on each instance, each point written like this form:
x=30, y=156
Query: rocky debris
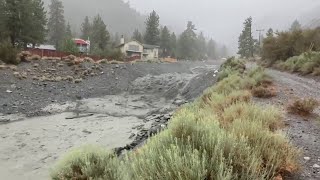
x=307, y=158
x=2, y=67
x=78, y=80
x=36, y=65
x=86, y=131
x=158, y=122
x=88, y=59
x=13, y=68
x=179, y=102
x=24, y=56
x=316, y=166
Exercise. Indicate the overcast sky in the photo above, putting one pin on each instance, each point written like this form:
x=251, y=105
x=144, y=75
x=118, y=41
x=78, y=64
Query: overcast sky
x=222, y=19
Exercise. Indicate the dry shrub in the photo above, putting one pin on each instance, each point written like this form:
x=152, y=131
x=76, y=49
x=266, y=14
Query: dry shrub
x=303, y=107
x=263, y=92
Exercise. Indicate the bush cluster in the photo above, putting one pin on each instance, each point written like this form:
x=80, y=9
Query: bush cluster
x=231, y=66
x=222, y=135
x=306, y=63
x=288, y=44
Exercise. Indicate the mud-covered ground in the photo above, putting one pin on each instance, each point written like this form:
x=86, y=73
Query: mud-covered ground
x=304, y=132
x=47, y=107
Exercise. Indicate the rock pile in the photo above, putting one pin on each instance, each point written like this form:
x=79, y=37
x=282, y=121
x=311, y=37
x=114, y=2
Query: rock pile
x=158, y=122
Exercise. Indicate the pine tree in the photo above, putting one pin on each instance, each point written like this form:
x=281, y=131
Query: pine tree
x=152, y=29
x=211, y=49
x=100, y=36
x=270, y=33
x=173, y=44
x=295, y=26
x=56, y=23
x=68, y=31
x=246, y=42
x=137, y=36
x=3, y=20
x=165, y=43
x=17, y=24
x=187, y=48
x=86, y=28
x=39, y=22
x=201, y=47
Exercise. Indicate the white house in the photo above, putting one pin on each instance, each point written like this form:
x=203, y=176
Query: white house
x=150, y=51
x=134, y=48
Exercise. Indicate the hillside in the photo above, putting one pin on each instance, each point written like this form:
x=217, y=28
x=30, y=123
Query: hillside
x=118, y=15
x=310, y=19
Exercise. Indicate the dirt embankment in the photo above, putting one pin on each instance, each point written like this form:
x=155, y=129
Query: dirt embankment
x=48, y=112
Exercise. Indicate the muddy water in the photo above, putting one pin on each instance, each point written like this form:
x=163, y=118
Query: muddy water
x=30, y=146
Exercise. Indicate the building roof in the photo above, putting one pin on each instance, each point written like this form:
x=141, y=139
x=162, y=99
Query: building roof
x=81, y=41
x=120, y=45
x=148, y=46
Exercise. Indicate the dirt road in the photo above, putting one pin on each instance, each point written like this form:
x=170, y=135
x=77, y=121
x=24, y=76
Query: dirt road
x=40, y=121
x=303, y=132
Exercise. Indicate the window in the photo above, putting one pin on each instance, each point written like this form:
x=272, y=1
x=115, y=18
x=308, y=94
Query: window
x=133, y=47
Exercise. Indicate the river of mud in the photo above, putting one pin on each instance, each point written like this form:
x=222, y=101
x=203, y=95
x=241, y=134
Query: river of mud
x=31, y=145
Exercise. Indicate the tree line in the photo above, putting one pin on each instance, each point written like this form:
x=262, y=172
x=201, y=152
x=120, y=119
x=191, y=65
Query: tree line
x=187, y=45
x=279, y=46
x=26, y=22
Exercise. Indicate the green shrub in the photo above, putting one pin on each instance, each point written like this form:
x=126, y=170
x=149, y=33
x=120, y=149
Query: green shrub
x=306, y=63
x=8, y=53
x=231, y=66
x=116, y=54
x=87, y=162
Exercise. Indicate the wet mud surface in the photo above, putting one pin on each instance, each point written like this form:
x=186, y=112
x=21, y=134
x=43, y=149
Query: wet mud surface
x=119, y=105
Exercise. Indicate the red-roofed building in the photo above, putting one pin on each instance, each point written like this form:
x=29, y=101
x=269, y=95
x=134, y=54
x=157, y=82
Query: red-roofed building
x=83, y=45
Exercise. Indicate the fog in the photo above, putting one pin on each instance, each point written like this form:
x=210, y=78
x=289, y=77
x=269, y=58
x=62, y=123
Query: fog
x=223, y=19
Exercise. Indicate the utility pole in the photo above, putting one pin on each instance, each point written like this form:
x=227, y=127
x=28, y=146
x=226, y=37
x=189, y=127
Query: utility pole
x=260, y=43
x=260, y=31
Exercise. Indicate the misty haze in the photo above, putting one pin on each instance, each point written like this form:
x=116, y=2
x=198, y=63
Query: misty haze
x=160, y=89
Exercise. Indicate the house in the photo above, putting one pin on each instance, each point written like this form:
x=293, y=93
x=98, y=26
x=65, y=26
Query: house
x=42, y=50
x=83, y=45
x=150, y=51
x=136, y=50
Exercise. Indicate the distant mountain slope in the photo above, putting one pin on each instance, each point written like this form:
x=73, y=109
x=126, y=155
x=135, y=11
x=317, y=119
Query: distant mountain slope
x=118, y=15
x=311, y=19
